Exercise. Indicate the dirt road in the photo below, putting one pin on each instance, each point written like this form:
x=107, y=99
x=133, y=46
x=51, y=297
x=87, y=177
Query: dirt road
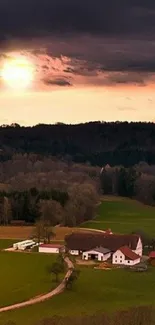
x=44, y=297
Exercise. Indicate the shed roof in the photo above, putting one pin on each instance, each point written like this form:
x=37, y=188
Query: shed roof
x=51, y=245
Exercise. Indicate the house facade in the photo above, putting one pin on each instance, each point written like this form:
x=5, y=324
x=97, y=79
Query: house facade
x=125, y=256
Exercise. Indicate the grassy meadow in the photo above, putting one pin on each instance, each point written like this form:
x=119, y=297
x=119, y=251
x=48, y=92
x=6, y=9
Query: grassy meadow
x=95, y=291
x=23, y=276
x=123, y=216
x=6, y=243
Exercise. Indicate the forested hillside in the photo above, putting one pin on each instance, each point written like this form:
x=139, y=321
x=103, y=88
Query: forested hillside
x=99, y=143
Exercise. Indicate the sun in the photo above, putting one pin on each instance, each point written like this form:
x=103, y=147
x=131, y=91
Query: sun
x=17, y=73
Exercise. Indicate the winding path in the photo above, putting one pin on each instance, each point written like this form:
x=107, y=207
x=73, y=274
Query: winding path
x=52, y=293
x=46, y=296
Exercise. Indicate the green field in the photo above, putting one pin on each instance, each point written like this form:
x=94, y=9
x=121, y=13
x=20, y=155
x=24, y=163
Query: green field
x=24, y=275
x=7, y=243
x=124, y=216
x=95, y=291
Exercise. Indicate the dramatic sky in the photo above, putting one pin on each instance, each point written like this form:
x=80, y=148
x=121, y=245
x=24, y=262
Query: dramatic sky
x=93, y=59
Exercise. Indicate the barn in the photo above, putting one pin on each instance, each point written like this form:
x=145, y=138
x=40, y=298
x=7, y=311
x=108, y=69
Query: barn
x=78, y=243
x=51, y=248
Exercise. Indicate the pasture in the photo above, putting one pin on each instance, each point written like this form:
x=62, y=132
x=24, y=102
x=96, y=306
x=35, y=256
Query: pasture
x=23, y=276
x=6, y=243
x=95, y=291
x=123, y=216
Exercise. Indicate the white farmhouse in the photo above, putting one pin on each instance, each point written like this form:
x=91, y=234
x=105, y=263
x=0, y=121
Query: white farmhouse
x=125, y=256
x=51, y=248
x=98, y=253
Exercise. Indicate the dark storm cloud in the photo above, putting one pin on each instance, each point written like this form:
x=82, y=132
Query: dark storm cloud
x=29, y=18
x=88, y=42
x=58, y=82
x=126, y=78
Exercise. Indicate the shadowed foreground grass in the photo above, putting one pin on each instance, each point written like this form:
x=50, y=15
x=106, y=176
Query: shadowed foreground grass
x=95, y=292
x=23, y=276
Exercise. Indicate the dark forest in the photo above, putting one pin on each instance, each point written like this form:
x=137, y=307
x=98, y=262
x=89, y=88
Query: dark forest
x=99, y=143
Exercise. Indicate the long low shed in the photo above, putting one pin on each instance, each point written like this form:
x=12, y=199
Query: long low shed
x=23, y=244
x=51, y=248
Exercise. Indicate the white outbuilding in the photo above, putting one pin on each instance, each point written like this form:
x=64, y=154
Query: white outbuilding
x=98, y=253
x=51, y=248
x=22, y=245
x=125, y=256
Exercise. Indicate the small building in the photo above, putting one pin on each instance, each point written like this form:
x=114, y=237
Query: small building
x=152, y=255
x=51, y=248
x=152, y=258
x=74, y=251
x=98, y=253
x=22, y=245
x=125, y=256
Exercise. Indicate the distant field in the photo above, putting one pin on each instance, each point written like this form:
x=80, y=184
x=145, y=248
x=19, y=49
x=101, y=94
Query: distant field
x=15, y=232
x=95, y=291
x=123, y=216
x=24, y=275
x=24, y=232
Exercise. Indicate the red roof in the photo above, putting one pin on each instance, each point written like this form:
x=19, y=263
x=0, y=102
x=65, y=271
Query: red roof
x=51, y=245
x=86, y=241
x=152, y=254
x=129, y=253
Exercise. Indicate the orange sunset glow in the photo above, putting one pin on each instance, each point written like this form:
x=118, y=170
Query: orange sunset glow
x=17, y=72
x=93, y=72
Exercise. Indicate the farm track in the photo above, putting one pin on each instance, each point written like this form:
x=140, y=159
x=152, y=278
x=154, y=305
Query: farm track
x=118, y=222
x=43, y=297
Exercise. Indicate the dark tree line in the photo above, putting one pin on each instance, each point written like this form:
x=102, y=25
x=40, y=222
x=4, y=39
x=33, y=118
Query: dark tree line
x=136, y=182
x=119, y=181
x=25, y=205
x=49, y=208
x=99, y=143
